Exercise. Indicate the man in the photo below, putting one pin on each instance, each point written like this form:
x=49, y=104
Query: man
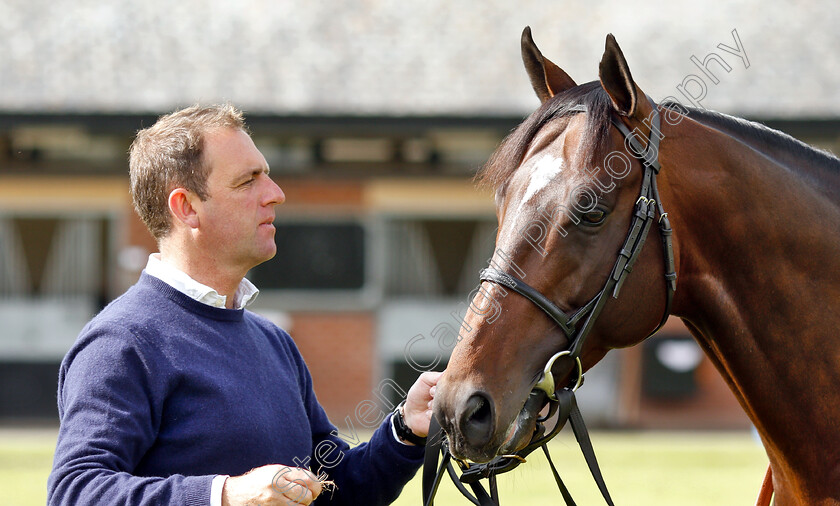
x=174, y=394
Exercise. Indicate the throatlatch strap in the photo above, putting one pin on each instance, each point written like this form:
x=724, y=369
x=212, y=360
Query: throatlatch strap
x=562, y=486
x=582, y=436
x=431, y=473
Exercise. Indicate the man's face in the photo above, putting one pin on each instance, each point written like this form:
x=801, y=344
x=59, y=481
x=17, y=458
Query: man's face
x=236, y=220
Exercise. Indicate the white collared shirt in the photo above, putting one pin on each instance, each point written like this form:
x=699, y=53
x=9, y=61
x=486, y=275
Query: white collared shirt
x=245, y=294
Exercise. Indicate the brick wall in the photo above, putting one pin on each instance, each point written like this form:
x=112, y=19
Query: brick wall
x=339, y=349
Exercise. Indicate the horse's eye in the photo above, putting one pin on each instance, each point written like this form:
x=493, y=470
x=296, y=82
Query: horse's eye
x=593, y=217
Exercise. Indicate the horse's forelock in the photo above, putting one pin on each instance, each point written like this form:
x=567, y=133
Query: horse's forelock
x=499, y=169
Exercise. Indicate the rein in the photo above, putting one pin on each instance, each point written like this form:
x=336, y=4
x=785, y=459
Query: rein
x=576, y=327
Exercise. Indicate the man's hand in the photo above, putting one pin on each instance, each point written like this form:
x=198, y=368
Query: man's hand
x=271, y=485
x=419, y=401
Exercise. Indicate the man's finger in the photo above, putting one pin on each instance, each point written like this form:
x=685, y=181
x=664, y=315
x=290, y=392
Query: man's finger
x=297, y=484
x=430, y=378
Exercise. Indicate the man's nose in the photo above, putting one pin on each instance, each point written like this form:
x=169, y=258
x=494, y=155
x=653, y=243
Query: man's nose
x=276, y=195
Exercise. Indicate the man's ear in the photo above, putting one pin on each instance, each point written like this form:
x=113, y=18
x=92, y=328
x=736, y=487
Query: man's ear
x=182, y=207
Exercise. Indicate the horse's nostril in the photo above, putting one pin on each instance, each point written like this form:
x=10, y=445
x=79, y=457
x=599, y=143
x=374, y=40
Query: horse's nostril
x=476, y=421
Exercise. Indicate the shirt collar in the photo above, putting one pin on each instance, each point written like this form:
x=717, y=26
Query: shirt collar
x=245, y=294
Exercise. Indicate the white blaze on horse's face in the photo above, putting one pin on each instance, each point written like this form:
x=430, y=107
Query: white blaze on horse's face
x=543, y=173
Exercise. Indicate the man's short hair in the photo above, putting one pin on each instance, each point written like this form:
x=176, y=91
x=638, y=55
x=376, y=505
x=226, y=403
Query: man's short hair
x=169, y=155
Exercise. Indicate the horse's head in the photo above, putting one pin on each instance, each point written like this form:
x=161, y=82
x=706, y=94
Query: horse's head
x=566, y=189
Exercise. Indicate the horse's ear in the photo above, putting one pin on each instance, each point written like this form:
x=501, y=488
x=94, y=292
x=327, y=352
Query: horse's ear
x=547, y=78
x=616, y=79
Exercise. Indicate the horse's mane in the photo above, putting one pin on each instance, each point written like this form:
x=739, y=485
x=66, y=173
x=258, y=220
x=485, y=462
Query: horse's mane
x=508, y=156
x=759, y=136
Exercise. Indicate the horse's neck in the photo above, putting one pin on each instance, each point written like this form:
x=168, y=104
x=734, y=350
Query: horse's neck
x=749, y=228
x=819, y=169
x=759, y=285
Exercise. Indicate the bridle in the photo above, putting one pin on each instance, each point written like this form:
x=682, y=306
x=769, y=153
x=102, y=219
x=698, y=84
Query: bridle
x=576, y=326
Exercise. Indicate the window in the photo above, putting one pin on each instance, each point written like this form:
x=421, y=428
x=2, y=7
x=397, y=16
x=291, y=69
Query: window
x=437, y=257
x=54, y=276
x=315, y=256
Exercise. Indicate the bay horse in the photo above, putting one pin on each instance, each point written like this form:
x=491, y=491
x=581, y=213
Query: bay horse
x=755, y=216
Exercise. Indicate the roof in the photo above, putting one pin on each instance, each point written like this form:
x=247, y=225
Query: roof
x=408, y=57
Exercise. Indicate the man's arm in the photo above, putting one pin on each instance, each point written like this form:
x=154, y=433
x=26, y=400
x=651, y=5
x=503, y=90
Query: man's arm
x=282, y=485
x=374, y=473
x=108, y=409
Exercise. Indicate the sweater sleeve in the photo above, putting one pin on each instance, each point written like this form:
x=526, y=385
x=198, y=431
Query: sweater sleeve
x=371, y=473
x=109, y=407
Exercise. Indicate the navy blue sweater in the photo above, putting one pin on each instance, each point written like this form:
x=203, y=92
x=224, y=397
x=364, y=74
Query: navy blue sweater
x=160, y=393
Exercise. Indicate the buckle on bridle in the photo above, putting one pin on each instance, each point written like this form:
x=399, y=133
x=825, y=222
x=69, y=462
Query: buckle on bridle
x=546, y=383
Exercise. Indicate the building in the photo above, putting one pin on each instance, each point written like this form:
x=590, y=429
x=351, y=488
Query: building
x=374, y=119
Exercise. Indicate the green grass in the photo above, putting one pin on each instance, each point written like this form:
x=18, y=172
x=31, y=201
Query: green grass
x=25, y=462
x=650, y=469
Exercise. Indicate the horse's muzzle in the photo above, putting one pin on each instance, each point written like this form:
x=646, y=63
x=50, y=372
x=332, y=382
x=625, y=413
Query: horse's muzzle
x=476, y=420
